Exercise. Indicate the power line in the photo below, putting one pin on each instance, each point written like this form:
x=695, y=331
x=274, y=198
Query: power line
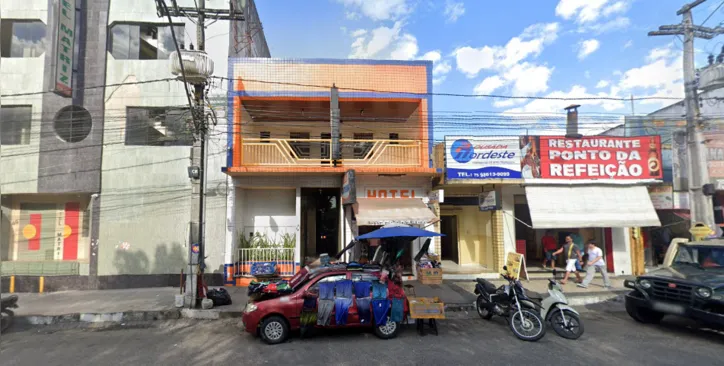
x=712, y=13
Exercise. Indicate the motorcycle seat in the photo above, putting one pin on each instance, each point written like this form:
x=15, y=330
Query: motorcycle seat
x=534, y=295
x=489, y=287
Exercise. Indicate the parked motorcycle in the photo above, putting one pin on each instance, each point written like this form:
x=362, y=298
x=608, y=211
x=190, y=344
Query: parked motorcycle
x=555, y=310
x=7, y=303
x=510, y=301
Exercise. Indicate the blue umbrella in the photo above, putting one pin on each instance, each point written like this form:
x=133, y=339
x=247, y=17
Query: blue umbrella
x=398, y=231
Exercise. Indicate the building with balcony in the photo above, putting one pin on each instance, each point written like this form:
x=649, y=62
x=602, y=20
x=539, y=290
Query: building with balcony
x=287, y=178
x=95, y=190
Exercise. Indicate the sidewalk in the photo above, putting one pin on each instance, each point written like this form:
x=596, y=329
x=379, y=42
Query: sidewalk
x=576, y=296
x=150, y=304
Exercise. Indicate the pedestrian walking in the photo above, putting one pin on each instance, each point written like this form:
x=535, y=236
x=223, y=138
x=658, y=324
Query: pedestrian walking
x=595, y=263
x=549, y=247
x=573, y=256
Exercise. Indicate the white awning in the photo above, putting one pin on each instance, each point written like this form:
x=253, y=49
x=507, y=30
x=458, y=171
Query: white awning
x=558, y=207
x=380, y=212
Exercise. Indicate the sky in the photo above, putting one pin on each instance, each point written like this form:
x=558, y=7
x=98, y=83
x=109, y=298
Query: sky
x=536, y=48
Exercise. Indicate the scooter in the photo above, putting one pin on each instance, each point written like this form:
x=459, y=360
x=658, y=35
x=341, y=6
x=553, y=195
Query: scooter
x=7, y=303
x=555, y=310
x=512, y=302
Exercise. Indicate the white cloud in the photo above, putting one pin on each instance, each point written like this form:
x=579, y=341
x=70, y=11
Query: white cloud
x=440, y=66
x=510, y=65
x=528, y=79
x=371, y=44
x=392, y=43
x=406, y=48
x=602, y=84
x=660, y=53
x=563, y=99
x=588, y=11
x=531, y=42
x=454, y=10
x=489, y=85
x=617, y=7
x=628, y=44
x=618, y=23
x=358, y=33
x=377, y=10
x=587, y=47
x=471, y=61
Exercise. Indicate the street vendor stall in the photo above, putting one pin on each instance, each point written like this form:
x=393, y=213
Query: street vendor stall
x=336, y=294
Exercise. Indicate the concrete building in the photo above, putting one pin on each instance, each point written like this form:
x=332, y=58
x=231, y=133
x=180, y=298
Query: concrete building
x=503, y=194
x=95, y=192
x=287, y=204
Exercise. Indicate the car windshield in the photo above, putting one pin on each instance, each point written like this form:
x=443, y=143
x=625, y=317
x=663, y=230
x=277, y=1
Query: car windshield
x=700, y=256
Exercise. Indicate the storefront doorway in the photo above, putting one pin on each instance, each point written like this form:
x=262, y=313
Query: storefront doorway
x=320, y=221
x=449, y=242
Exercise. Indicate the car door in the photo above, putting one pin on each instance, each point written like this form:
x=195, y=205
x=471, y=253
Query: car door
x=313, y=288
x=353, y=317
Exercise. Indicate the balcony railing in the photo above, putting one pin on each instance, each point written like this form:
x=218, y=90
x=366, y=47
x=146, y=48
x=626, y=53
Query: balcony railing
x=317, y=152
x=282, y=259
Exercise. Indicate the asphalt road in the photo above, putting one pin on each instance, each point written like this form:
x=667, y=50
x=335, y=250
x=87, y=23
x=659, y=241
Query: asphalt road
x=611, y=338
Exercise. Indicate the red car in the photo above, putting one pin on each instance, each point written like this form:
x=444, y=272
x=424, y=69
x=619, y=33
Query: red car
x=274, y=318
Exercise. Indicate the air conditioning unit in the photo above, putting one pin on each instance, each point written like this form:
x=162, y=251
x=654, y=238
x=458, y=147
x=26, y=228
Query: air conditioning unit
x=198, y=66
x=712, y=77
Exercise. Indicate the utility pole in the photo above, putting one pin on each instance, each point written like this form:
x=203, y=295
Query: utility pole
x=197, y=171
x=702, y=209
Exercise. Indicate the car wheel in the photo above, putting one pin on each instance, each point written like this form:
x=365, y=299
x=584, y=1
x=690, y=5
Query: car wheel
x=274, y=330
x=388, y=330
x=642, y=315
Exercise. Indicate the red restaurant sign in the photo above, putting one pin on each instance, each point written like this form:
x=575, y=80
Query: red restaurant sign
x=600, y=157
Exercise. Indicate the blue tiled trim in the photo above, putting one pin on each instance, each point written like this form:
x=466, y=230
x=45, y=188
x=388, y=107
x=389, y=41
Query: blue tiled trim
x=323, y=94
x=430, y=123
x=226, y=282
x=230, y=113
x=326, y=61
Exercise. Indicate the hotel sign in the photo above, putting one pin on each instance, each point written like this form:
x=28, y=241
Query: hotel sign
x=64, y=47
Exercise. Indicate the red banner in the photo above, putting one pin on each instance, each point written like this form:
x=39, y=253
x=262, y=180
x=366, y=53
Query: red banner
x=600, y=157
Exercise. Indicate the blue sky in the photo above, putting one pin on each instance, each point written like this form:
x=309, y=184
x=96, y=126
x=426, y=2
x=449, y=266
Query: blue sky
x=561, y=48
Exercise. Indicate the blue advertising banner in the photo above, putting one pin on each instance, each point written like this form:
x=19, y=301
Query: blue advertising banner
x=482, y=157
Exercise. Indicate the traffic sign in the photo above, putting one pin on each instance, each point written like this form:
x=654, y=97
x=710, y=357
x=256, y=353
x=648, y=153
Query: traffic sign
x=700, y=231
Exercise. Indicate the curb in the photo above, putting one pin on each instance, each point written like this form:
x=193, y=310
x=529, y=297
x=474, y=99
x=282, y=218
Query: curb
x=198, y=314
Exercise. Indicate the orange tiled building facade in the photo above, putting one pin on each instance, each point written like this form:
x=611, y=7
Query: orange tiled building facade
x=279, y=157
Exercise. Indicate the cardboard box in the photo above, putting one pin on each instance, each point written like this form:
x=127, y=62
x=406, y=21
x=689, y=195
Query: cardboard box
x=426, y=308
x=430, y=276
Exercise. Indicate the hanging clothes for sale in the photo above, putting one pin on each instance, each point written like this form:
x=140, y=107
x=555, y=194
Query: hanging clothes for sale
x=398, y=310
x=324, y=311
x=379, y=290
x=380, y=308
x=364, y=309
x=362, y=289
x=343, y=289
x=326, y=290
x=341, y=309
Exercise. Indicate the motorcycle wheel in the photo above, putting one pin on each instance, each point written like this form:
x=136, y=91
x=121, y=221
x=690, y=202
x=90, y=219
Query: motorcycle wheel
x=573, y=330
x=6, y=320
x=527, y=325
x=481, y=307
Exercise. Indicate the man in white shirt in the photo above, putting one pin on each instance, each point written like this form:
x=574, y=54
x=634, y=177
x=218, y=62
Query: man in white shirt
x=595, y=263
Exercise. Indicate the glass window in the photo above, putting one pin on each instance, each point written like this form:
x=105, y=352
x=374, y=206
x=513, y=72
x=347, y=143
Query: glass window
x=22, y=38
x=144, y=41
x=73, y=123
x=158, y=126
x=15, y=124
